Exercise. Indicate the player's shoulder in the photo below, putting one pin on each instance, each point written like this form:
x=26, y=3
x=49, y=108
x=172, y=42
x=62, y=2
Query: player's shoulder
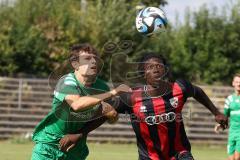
x=230, y=98
x=136, y=92
x=138, y=89
x=69, y=79
x=185, y=86
x=183, y=82
x=66, y=85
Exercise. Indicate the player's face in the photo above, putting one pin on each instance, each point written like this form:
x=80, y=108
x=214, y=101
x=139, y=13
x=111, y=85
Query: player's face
x=154, y=71
x=88, y=64
x=236, y=83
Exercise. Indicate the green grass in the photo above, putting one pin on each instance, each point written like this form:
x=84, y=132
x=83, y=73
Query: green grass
x=13, y=151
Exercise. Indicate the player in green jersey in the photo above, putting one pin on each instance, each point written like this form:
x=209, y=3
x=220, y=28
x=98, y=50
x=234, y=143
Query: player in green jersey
x=232, y=110
x=78, y=100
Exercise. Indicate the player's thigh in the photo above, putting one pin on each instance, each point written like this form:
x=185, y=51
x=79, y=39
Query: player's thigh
x=46, y=152
x=40, y=156
x=38, y=153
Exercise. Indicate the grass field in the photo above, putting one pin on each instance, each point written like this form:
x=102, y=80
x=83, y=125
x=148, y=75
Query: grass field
x=13, y=151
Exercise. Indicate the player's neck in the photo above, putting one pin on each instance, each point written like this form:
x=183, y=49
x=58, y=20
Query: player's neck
x=159, y=90
x=237, y=93
x=84, y=80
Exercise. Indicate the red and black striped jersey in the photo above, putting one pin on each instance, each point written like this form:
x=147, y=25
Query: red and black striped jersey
x=157, y=121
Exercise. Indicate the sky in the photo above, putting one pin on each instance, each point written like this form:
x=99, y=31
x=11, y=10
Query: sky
x=178, y=7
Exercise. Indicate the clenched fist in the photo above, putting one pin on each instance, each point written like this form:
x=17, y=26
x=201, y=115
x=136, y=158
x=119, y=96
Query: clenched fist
x=222, y=120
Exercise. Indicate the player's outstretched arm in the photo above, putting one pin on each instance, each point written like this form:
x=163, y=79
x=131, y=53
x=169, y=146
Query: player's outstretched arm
x=78, y=103
x=201, y=97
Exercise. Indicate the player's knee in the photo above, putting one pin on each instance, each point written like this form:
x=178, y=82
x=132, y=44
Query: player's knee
x=231, y=158
x=236, y=155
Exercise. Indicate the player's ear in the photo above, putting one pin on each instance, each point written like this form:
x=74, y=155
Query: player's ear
x=75, y=65
x=233, y=82
x=168, y=71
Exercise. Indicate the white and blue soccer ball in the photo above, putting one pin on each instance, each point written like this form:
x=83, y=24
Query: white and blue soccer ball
x=151, y=20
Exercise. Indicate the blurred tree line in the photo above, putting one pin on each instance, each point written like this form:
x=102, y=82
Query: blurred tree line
x=35, y=37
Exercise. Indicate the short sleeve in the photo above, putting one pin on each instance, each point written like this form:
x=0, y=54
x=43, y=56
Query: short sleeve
x=226, y=110
x=67, y=85
x=187, y=87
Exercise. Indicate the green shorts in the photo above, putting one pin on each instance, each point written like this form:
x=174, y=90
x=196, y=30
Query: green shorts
x=44, y=151
x=233, y=144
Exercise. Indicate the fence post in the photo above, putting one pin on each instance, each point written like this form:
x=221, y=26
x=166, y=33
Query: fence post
x=20, y=93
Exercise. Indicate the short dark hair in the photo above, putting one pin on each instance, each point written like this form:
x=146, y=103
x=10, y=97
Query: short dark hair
x=149, y=55
x=75, y=49
x=236, y=75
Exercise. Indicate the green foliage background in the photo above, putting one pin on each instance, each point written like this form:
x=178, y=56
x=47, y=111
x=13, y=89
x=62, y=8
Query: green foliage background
x=35, y=36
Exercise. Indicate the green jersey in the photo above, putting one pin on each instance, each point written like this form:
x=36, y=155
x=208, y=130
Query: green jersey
x=232, y=110
x=62, y=119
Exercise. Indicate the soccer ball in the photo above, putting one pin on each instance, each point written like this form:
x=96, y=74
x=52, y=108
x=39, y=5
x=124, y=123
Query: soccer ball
x=151, y=20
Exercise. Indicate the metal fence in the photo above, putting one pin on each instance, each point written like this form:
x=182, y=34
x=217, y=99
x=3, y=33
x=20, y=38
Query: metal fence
x=24, y=102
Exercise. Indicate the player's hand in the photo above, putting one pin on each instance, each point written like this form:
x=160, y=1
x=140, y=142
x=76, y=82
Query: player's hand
x=120, y=89
x=112, y=120
x=217, y=128
x=108, y=111
x=69, y=141
x=222, y=120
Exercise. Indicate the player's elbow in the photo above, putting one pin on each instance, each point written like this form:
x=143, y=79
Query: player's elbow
x=76, y=106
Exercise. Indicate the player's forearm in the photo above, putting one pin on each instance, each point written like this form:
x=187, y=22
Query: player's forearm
x=92, y=125
x=201, y=97
x=70, y=140
x=86, y=102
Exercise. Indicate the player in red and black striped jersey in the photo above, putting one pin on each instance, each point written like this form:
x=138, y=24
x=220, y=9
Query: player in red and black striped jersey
x=155, y=110
x=157, y=120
